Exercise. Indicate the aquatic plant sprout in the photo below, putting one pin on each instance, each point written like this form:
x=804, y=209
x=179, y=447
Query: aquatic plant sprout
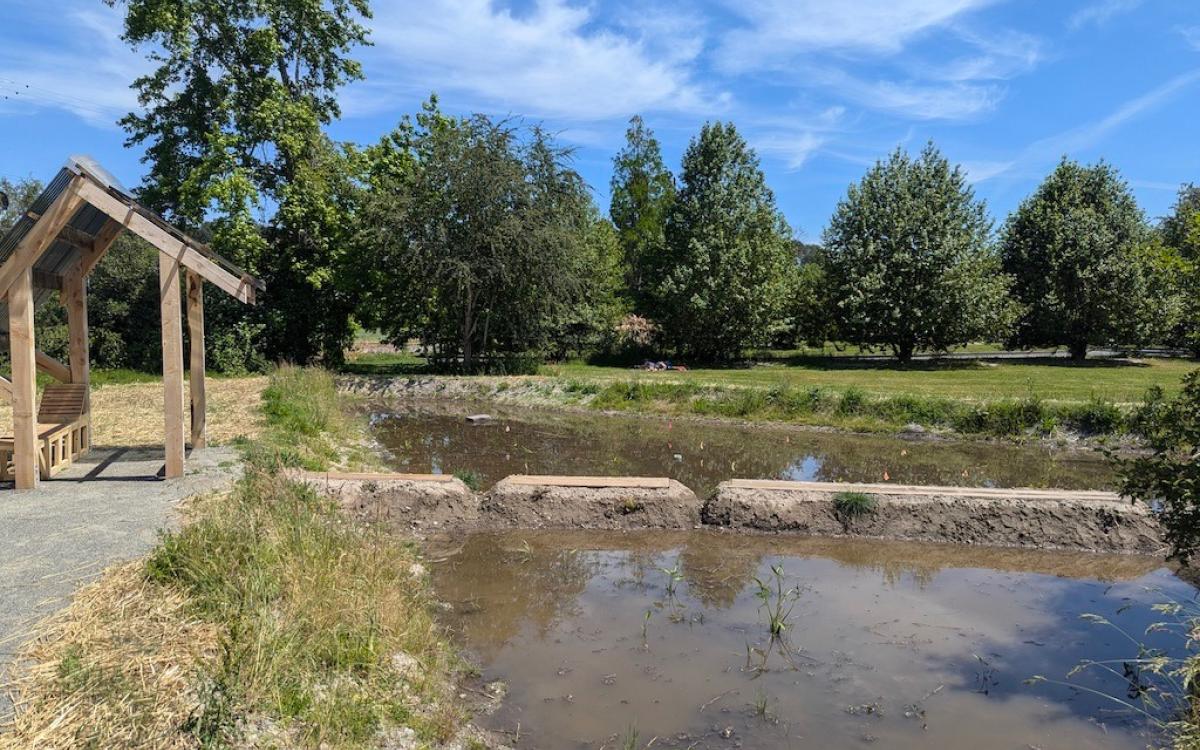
x=777, y=601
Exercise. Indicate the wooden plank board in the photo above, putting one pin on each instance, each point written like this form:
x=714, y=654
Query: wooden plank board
x=196, y=384
x=24, y=380
x=912, y=489
x=649, y=483
x=176, y=249
x=338, y=476
x=172, y=351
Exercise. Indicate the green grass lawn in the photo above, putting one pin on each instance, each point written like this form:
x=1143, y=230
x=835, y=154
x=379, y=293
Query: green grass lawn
x=1120, y=381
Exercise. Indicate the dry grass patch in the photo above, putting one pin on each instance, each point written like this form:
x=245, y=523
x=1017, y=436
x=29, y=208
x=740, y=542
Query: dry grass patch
x=131, y=414
x=116, y=668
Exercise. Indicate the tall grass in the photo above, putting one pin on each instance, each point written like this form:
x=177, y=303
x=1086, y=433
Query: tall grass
x=320, y=629
x=854, y=408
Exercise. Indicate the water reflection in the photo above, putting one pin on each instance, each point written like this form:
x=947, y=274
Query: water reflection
x=914, y=645
x=434, y=437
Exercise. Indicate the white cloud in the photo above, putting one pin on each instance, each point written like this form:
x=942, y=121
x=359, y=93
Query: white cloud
x=815, y=42
x=796, y=139
x=779, y=29
x=554, y=61
x=1191, y=35
x=1101, y=12
x=981, y=171
x=1091, y=134
x=87, y=71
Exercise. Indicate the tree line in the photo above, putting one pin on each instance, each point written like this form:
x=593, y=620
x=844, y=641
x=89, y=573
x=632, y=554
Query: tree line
x=477, y=236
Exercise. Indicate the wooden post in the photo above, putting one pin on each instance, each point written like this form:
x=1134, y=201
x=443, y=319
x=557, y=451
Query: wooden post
x=172, y=350
x=195, y=319
x=74, y=298
x=24, y=380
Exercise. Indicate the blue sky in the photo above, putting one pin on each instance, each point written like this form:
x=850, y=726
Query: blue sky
x=821, y=88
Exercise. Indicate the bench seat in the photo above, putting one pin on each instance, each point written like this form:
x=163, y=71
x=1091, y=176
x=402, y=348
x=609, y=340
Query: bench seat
x=64, y=431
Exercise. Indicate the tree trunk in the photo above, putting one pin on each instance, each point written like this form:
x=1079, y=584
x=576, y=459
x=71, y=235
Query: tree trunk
x=1078, y=350
x=904, y=352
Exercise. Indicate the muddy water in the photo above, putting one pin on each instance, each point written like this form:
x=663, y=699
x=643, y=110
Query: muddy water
x=899, y=645
x=427, y=437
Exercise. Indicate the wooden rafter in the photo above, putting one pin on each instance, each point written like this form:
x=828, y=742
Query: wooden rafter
x=31, y=247
x=168, y=244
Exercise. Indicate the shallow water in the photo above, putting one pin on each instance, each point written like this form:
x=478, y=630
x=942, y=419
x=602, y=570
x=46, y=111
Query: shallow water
x=897, y=644
x=435, y=437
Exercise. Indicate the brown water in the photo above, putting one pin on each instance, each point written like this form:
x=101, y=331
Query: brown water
x=435, y=437
x=900, y=645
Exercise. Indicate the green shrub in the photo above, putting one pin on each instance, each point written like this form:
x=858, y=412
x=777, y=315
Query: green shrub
x=852, y=402
x=851, y=505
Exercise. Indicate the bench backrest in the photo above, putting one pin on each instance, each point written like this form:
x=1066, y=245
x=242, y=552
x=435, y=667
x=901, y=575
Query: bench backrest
x=62, y=403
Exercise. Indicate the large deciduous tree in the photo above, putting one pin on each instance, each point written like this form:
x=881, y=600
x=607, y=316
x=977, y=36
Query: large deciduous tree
x=480, y=238
x=727, y=252
x=642, y=193
x=231, y=119
x=908, y=259
x=1074, y=250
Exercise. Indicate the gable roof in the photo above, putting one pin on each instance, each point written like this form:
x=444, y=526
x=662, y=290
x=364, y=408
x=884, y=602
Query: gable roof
x=105, y=200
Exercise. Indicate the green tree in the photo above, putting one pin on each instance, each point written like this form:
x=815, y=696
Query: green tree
x=642, y=193
x=809, y=306
x=1073, y=248
x=481, y=244
x=231, y=119
x=21, y=195
x=1181, y=229
x=727, y=252
x=590, y=322
x=1176, y=272
x=1170, y=473
x=908, y=260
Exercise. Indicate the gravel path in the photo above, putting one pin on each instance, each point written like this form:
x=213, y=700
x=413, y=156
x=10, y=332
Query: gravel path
x=106, y=508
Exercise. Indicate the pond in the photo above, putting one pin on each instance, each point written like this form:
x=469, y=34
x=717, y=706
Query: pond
x=425, y=437
x=604, y=637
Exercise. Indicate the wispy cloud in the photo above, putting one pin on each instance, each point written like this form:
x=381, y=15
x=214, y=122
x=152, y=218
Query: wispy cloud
x=85, y=69
x=1101, y=12
x=555, y=60
x=779, y=29
x=796, y=139
x=853, y=50
x=1191, y=35
x=1089, y=135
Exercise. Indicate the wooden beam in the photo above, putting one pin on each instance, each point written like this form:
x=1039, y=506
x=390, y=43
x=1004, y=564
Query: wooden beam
x=167, y=243
x=24, y=380
x=52, y=367
x=196, y=385
x=105, y=238
x=172, y=350
x=76, y=237
x=647, y=483
x=41, y=235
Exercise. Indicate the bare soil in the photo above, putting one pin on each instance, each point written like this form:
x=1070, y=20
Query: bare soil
x=1048, y=520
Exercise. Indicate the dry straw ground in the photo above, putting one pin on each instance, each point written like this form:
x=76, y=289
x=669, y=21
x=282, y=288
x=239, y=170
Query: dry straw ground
x=131, y=414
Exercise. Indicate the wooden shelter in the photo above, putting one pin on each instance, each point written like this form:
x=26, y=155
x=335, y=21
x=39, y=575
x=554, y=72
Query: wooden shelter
x=53, y=249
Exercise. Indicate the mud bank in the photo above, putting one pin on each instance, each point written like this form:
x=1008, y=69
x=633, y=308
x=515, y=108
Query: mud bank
x=591, y=503
x=1038, y=519
x=1093, y=521
x=406, y=501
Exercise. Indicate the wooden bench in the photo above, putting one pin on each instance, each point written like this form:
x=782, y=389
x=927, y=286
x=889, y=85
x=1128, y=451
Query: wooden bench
x=64, y=430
